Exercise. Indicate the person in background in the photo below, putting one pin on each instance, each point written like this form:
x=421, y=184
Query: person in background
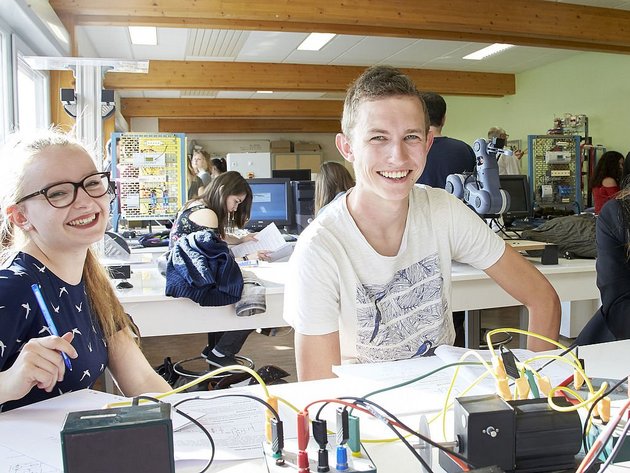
x=224, y=205
x=55, y=206
x=507, y=164
x=193, y=183
x=201, y=165
x=625, y=180
x=217, y=166
x=107, y=163
x=447, y=155
x=612, y=320
x=370, y=278
x=606, y=178
x=332, y=180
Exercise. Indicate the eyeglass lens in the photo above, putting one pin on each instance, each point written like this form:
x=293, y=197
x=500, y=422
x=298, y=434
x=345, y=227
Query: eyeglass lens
x=64, y=194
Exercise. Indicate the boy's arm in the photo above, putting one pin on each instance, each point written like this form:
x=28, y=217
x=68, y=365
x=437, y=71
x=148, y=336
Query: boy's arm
x=526, y=284
x=315, y=355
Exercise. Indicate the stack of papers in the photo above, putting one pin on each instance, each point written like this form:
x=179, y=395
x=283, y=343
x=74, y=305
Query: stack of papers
x=268, y=239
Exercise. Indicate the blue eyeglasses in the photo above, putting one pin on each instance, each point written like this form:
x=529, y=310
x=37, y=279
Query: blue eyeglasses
x=63, y=194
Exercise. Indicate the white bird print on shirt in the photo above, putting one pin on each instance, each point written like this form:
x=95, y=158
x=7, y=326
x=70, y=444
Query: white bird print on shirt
x=79, y=307
x=45, y=329
x=41, y=270
x=76, y=330
x=85, y=373
x=3, y=346
x=28, y=309
x=102, y=367
x=62, y=290
x=90, y=346
x=56, y=309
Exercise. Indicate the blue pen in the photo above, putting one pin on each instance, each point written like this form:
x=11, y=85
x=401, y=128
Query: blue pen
x=51, y=325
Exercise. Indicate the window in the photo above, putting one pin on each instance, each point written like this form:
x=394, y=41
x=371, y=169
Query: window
x=32, y=109
x=5, y=95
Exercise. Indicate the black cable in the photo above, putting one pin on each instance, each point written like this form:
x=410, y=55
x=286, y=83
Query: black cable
x=564, y=352
x=359, y=400
x=190, y=418
x=590, y=410
x=615, y=451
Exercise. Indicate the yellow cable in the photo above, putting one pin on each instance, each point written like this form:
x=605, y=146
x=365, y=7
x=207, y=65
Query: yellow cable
x=194, y=382
x=575, y=407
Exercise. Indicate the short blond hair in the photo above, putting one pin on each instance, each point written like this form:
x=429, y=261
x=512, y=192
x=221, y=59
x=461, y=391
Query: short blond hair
x=496, y=132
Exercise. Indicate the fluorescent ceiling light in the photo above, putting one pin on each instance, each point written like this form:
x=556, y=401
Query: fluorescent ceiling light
x=488, y=51
x=315, y=41
x=146, y=35
x=264, y=91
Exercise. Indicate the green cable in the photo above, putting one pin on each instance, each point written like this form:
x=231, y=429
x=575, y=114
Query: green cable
x=532, y=383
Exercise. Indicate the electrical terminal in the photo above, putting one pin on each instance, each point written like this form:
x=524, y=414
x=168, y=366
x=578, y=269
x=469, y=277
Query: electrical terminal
x=354, y=435
x=320, y=435
x=544, y=385
x=273, y=402
x=578, y=380
x=604, y=409
x=303, y=438
x=522, y=387
x=503, y=389
x=277, y=438
x=499, y=367
x=342, y=425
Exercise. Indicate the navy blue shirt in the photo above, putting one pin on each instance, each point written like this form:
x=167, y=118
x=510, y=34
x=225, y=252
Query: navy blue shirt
x=21, y=319
x=446, y=156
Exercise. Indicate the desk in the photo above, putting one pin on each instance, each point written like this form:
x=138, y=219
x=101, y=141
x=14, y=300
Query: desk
x=23, y=428
x=573, y=280
x=155, y=314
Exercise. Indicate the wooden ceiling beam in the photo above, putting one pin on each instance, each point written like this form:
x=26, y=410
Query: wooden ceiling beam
x=243, y=125
x=520, y=22
x=231, y=108
x=177, y=75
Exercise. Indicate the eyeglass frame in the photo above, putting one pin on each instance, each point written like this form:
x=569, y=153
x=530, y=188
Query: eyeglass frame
x=77, y=185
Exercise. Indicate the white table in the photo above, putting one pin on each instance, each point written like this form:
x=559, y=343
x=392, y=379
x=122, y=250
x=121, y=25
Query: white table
x=573, y=280
x=19, y=429
x=156, y=314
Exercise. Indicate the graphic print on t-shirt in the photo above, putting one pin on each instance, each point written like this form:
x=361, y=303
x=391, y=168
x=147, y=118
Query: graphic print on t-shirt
x=403, y=317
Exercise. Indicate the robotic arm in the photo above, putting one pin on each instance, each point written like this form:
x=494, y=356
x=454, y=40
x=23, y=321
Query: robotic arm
x=481, y=190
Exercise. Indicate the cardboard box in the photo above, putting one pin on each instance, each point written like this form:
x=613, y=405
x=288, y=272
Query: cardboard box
x=281, y=146
x=307, y=146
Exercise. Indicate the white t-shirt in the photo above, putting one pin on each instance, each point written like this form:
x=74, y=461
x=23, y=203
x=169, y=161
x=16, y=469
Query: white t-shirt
x=385, y=307
x=509, y=165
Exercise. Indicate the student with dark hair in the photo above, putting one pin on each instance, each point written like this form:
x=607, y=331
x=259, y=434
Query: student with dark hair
x=612, y=320
x=55, y=206
x=606, y=178
x=447, y=155
x=332, y=179
x=224, y=206
x=370, y=278
x=218, y=166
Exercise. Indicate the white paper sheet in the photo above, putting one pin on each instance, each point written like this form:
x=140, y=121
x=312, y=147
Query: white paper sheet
x=269, y=239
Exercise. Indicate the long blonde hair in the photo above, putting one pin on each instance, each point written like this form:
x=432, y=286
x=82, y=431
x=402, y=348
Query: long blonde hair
x=16, y=156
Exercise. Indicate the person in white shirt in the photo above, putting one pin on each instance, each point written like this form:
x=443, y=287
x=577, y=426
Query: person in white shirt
x=507, y=164
x=370, y=278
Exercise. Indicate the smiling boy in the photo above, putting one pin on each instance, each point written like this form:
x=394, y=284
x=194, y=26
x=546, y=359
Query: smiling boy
x=370, y=277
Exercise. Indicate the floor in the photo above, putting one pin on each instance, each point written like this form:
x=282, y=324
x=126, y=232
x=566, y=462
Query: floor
x=278, y=349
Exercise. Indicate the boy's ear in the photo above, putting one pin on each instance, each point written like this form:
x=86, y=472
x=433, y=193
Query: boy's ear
x=344, y=146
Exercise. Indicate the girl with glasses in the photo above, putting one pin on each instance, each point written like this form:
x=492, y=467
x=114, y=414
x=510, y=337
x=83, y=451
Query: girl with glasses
x=55, y=205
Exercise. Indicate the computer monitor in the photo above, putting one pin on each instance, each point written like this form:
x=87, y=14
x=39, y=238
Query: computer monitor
x=517, y=186
x=272, y=202
x=292, y=174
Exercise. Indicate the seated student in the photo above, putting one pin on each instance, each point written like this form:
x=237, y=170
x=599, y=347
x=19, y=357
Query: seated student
x=370, y=278
x=612, y=320
x=201, y=165
x=332, y=179
x=55, y=205
x=606, y=178
x=219, y=166
x=224, y=206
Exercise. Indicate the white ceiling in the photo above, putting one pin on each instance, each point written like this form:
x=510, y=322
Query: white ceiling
x=280, y=47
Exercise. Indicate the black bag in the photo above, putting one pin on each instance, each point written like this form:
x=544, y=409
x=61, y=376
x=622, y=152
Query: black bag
x=574, y=235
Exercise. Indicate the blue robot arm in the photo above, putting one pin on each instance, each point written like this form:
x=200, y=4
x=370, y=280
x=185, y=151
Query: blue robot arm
x=481, y=190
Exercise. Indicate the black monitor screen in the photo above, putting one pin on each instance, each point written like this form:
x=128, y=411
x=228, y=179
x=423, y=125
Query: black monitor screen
x=271, y=202
x=520, y=198
x=292, y=174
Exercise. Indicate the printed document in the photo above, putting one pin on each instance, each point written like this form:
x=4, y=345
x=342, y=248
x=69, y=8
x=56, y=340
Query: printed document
x=270, y=239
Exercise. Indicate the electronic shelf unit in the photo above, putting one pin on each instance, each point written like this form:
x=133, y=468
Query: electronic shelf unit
x=555, y=171
x=150, y=175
